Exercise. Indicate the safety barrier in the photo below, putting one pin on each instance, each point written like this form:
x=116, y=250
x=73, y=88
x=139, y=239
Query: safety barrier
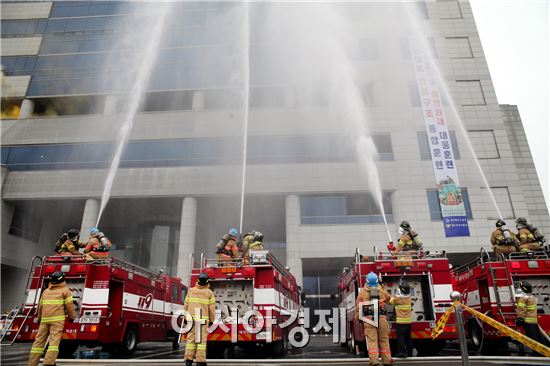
x=534, y=345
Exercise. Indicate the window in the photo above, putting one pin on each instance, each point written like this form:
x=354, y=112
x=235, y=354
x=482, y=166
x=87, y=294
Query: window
x=504, y=202
x=26, y=224
x=459, y=47
x=424, y=145
x=449, y=9
x=435, y=207
x=175, y=293
x=470, y=92
x=383, y=147
x=485, y=144
x=349, y=208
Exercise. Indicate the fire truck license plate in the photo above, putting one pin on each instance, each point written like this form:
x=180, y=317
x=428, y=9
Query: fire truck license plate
x=88, y=320
x=263, y=335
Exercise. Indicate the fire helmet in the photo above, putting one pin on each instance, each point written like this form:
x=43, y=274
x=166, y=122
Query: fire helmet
x=258, y=236
x=500, y=223
x=405, y=225
x=372, y=279
x=521, y=220
x=94, y=231
x=526, y=286
x=73, y=234
x=405, y=288
x=203, y=279
x=233, y=232
x=57, y=277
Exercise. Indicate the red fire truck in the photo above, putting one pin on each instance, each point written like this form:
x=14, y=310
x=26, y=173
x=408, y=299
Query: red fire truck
x=117, y=303
x=490, y=287
x=430, y=280
x=264, y=287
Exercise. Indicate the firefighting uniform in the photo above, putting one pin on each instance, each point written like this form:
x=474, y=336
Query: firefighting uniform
x=248, y=247
x=527, y=241
x=56, y=304
x=403, y=320
x=408, y=242
x=378, y=338
x=93, y=246
x=227, y=249
x=70, y=247
x=200, y=300
x=526, y=308
x=500, y=245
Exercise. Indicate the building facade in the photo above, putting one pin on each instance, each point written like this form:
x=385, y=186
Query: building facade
x=178, y=187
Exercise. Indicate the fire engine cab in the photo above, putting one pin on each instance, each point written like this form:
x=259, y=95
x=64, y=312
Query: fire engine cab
x=430, y=280
x=265, y=288
x=489, y=287
x=117, y=304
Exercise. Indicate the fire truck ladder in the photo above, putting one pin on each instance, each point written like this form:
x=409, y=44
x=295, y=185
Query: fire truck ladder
x=15, y=312
x=509, y=288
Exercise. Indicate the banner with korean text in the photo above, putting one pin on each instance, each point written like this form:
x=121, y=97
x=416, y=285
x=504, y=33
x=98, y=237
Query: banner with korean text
x=450, y=197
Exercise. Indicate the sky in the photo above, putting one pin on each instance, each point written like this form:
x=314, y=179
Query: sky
x=515, y=38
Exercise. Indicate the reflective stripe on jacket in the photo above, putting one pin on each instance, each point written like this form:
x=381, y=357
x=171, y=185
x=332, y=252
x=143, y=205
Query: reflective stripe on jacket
x=56, y=303
x=200, y=300
x=403, y=309
x=526, y=308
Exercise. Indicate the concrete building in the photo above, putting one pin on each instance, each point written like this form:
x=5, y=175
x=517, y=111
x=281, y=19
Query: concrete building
x=178, y=188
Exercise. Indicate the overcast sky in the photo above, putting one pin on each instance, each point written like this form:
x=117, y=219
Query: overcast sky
x=515, y=38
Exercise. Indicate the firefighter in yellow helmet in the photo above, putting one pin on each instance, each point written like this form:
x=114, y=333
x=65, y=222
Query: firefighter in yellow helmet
x=526, y=310
x=55, y=305
x=252, y=241
x=403, y=319
x=378, y=335
x=201, y=304
x=503, y=240
x=530, y=238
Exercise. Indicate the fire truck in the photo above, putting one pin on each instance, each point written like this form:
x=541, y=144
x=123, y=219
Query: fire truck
x=489, y=287
x=118, y=304
x=264, y=288
x=428, y=274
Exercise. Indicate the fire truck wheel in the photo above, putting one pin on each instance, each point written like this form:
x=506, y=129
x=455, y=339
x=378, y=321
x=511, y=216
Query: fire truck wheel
x=129, y=343
x=280, y=348
x=476, y=335
x=67, y=348
x=351, y=340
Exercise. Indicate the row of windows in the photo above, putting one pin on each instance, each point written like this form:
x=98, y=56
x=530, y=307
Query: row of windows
x=189, y=152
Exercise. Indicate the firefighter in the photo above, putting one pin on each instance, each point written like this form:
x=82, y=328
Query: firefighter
x=503, y=240
x=227, y=248
x=55, y=305
x=526, y=310
x=403, y=319
x=69, y=243
x=378, y=342
x=530, y=238
x=408, y=239
x=98, y=245
x=250, y=243
x=201, y=304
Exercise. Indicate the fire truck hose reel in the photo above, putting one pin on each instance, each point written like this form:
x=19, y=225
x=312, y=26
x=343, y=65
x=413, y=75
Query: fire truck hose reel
x=536, y=346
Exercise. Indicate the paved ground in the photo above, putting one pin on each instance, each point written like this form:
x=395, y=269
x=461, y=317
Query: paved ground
x=319, y=350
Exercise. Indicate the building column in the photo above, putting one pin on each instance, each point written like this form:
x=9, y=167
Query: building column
x=293, y=248
x=188, y=228
x=27, y=109
x=198, y=101
x=89, y=218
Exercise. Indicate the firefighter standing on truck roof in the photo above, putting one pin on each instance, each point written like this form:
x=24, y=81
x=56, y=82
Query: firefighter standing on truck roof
x=227, y=248
x=526, y=310
x=503, y=240
x=530, y=238
x=201, y=304
x=378, y=342
x=252, y=241
x=98, y=245
x=408, y=240
x=55, y=304
x=69, y=243
x=403, y=309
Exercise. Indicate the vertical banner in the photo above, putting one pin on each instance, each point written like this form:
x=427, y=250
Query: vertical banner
x=455, y=221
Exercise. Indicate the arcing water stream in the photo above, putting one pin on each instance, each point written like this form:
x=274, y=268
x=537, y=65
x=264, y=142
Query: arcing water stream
x=146, y=58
